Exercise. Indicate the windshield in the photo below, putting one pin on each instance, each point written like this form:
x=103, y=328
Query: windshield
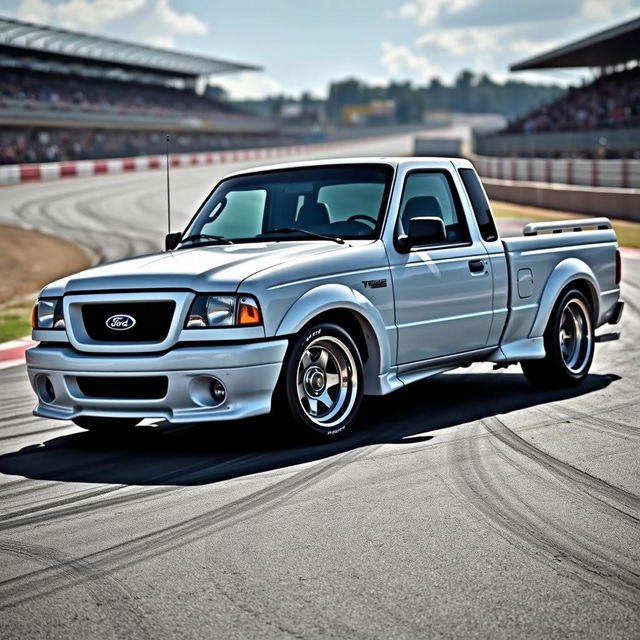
x=345, y=201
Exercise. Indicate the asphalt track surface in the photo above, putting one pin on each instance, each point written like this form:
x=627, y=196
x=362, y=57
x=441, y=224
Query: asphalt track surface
x=468, y=505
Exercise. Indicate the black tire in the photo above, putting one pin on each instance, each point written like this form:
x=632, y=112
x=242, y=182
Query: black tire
x=320, y=389
x=105, y=426
x=568, y=343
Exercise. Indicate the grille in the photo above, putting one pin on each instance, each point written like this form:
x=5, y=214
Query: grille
x=152, y=321
x=151, y=388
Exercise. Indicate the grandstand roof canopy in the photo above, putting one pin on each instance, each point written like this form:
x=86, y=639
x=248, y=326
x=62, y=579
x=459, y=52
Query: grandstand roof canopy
x=38, y=41
x=609, y=47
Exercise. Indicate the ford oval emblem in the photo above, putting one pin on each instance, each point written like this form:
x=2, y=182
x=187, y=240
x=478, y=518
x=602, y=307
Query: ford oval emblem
x=121, y=322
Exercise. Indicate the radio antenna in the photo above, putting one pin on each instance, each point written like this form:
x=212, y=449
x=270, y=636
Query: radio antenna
x=168, y=191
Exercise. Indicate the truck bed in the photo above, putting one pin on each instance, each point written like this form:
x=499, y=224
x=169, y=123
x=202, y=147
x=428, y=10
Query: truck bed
x=539, y=256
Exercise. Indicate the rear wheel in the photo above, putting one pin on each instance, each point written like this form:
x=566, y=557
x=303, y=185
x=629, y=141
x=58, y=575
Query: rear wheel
x=322, y=384
x=105, y=426
x=569, y=344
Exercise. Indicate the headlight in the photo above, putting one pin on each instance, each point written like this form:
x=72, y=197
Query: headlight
x=47, y=314
x=223, y=311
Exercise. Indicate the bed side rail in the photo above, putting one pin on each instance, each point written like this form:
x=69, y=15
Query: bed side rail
x=534, y=228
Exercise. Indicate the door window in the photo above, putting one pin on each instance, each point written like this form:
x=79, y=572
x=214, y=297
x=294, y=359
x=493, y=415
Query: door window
x=430, y=194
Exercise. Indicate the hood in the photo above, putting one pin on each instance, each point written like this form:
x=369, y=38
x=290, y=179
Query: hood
x=211, y=268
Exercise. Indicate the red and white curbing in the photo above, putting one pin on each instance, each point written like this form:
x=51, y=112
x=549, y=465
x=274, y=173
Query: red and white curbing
x=12, y=353
x=18, y=173
x=630, y=252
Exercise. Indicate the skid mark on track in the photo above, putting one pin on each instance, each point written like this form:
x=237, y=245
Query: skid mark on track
x=570, y=547
x=93, y=229
x=600, y=424
x=104, y=589
x=617, y=498
x=151, y=545
x=85, y=502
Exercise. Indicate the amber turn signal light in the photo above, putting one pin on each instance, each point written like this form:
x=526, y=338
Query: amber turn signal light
x=34, y=316
x=248, y=312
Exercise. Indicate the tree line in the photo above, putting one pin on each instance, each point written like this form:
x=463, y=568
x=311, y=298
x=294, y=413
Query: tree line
x=469, y=93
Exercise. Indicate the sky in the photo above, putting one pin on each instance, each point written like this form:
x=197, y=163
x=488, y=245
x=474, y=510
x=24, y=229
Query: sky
x=303, y=45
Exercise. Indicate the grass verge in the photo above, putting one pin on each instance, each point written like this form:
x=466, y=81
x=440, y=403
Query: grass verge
x=628, y=232
x=15, y=321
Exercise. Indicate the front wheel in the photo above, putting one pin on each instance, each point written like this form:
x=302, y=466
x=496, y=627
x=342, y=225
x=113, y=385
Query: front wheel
x=322, y=384
x=568, y=342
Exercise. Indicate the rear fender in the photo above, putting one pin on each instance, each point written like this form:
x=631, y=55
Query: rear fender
x=565, y=272
x=338, y=297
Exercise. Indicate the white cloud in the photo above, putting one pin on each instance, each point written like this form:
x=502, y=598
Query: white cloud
x=34, y=11
x=427, y=12
x=408, y=10
x=248, y=85
x=464, y=40
x=78, y=14
x=526, y=47
x=180, y=23
x=603, y=10
x=397, y=59
x=164, y=42
x=159, y=25
x=84, y=13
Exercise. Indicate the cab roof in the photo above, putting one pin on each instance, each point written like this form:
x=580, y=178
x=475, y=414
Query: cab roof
x=393, y=161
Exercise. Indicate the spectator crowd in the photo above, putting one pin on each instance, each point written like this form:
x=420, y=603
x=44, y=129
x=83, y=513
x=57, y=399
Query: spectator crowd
x=69, y=94
x=37, y=90
x=20, y=145
x=611, y=101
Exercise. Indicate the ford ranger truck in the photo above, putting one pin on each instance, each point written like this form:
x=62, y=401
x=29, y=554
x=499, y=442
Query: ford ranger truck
x=302, y=287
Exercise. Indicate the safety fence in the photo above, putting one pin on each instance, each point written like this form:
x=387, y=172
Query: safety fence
x=624, y=174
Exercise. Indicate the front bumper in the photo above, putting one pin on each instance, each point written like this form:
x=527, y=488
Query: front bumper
x=249, y=373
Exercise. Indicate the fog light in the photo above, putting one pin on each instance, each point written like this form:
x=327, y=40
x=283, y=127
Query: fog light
x=45, y=389
x=218, y=391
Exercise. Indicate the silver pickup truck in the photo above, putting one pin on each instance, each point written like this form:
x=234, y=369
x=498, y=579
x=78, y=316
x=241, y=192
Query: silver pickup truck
x=300, y=288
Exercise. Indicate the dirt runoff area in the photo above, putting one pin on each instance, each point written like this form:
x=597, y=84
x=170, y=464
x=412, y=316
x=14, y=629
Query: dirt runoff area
x=30, y=259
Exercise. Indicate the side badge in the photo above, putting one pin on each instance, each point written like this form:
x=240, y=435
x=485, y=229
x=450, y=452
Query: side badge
x=375, y=284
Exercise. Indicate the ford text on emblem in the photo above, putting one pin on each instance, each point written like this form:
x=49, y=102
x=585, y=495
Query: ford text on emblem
x=121, y=322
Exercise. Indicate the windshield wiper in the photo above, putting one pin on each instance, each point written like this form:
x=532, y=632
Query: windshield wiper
x=309, y=233
x=206, y=236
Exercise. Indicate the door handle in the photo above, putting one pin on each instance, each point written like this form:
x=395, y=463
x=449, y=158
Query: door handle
x=476, y=266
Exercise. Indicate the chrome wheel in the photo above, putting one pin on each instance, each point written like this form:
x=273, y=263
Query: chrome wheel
x=575, y=335
x=327, y=381
x=568, y=344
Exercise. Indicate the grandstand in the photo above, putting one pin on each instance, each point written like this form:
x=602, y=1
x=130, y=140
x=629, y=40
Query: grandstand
x=66, y=95
x=600, y=119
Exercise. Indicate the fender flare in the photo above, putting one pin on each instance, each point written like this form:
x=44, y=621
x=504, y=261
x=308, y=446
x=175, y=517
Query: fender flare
x=564, y=273
x=338, y=297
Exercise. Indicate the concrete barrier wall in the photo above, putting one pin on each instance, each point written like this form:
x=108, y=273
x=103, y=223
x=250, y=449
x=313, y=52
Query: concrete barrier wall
x=548, y=144
x=598, y=201
x=594, y=173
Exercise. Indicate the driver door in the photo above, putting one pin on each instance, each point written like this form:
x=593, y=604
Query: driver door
x=444, y=292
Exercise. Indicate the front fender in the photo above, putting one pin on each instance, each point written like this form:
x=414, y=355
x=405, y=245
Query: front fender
x=565, y=272
x=338, y=297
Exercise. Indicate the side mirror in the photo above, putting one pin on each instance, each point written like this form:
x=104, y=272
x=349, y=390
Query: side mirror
x=171, y=240
x=427, y=230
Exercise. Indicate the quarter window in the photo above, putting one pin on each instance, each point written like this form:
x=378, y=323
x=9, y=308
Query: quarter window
x=480, y=205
